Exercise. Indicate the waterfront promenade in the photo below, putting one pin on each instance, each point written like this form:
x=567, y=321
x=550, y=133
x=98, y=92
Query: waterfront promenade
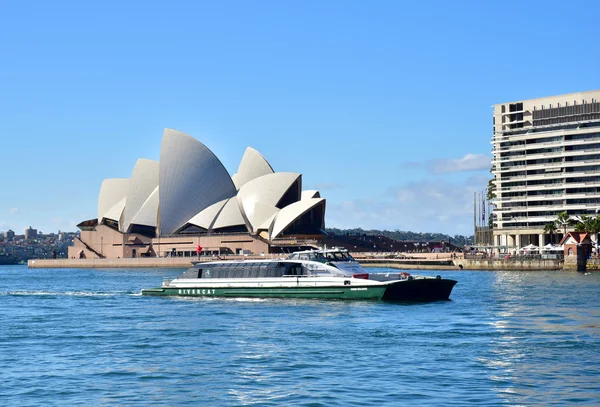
x=441, y=261
x=403, y=261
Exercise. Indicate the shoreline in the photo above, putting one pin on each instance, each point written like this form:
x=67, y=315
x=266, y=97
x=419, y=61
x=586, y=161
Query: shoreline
x=423, y=262
x=186, y=262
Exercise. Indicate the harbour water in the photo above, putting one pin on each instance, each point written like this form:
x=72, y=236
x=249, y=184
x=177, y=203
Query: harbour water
x=86, y=337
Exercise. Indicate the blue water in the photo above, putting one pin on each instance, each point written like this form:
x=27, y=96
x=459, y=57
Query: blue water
x=86, y=337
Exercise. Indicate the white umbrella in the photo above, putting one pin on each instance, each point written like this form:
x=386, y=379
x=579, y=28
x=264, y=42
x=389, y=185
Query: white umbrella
x=529, y=248
x=551, y=248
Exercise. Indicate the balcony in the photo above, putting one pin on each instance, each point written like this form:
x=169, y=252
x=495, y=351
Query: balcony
x=516, y=112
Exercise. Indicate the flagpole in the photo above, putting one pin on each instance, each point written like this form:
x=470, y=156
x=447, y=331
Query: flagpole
x=474, y=218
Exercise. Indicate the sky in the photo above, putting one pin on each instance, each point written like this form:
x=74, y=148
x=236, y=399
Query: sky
x=383, y=106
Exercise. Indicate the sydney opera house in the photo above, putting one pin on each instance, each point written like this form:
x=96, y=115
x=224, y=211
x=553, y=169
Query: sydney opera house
x=188, y=204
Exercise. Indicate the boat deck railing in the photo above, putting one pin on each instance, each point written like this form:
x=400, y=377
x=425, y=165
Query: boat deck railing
x=166, y=281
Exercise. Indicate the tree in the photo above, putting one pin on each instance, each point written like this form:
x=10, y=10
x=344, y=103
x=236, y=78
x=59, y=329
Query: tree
x=595, y=226
x=550, y=229
x=491, y=189
x=563, y=219
x=583, y=224
x=589, y=225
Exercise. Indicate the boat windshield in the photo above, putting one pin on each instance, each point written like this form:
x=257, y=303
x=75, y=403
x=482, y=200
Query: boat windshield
x=314, y=256
x=338, y=256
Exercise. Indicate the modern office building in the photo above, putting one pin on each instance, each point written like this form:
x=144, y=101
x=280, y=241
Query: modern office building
x=546, y=160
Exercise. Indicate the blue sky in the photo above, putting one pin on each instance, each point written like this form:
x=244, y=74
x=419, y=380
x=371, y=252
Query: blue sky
x=384, y=106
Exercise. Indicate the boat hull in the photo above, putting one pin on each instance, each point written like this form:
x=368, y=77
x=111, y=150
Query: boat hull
x=334, y=292
x=420, y=290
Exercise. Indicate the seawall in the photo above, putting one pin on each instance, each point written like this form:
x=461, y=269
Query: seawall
x=511, y=264
x=409, y=264
x=148, y=262
x=139, y=262
x=406, y=264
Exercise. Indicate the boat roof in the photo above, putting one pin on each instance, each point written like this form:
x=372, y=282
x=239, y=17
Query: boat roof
x=332, y=250
x=266, y=261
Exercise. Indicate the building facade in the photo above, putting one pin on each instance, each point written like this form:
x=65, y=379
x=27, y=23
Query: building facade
x=546, y=160
x=31, y=233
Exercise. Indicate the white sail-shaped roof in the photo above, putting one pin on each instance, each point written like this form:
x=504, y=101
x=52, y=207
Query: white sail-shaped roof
x=229, y=216
x=311, y=193
x=266, y=225
x=253, y=165
x=148, y=213
x=291, y=213
x=112, y=191
x=206, y=217
x=142, y=183
x=191, y=178
x=116, y=212
x=259, y=197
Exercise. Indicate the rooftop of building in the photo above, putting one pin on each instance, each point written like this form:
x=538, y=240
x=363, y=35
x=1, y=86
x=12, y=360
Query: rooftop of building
x=568, y=96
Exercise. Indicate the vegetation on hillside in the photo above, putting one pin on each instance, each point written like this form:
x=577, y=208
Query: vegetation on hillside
x=458, y=240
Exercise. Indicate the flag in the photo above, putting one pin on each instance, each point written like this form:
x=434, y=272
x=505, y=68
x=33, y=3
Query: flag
x=483, y=210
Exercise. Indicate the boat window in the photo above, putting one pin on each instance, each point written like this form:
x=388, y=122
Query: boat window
x=338, y=256
x=206, y=273
x=320, y=258
x=199, y=273
x=330, y=256
x=317, y=257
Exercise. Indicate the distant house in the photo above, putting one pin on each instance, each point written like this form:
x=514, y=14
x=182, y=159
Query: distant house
x=577, y=243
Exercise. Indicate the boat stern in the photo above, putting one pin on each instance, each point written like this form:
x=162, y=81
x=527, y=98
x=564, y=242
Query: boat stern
x=420, y=290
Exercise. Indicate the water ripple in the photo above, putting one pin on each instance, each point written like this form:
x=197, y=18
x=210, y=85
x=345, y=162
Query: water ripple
x=87, y=337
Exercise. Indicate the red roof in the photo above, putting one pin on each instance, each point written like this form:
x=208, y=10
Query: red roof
x=579, y=237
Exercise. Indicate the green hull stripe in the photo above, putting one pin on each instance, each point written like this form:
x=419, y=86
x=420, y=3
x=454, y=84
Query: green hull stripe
x=292, y=292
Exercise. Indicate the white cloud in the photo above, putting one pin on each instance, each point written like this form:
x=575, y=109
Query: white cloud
x=470, y=162
x=426, y=206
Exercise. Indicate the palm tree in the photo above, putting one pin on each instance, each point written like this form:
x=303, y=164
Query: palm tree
x=563, y=219
x=589, y=225
x=550, y=229
x=595, y=226
x=583, y=224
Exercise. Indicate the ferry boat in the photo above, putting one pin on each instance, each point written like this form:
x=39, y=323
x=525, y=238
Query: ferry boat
x=302, y=275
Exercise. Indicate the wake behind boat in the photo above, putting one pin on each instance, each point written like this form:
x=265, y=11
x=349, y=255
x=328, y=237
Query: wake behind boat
x=303, y=275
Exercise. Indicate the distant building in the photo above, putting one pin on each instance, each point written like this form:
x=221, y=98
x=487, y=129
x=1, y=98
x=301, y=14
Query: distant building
x=31, y=233
x=546, y=161
x=10, y=235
